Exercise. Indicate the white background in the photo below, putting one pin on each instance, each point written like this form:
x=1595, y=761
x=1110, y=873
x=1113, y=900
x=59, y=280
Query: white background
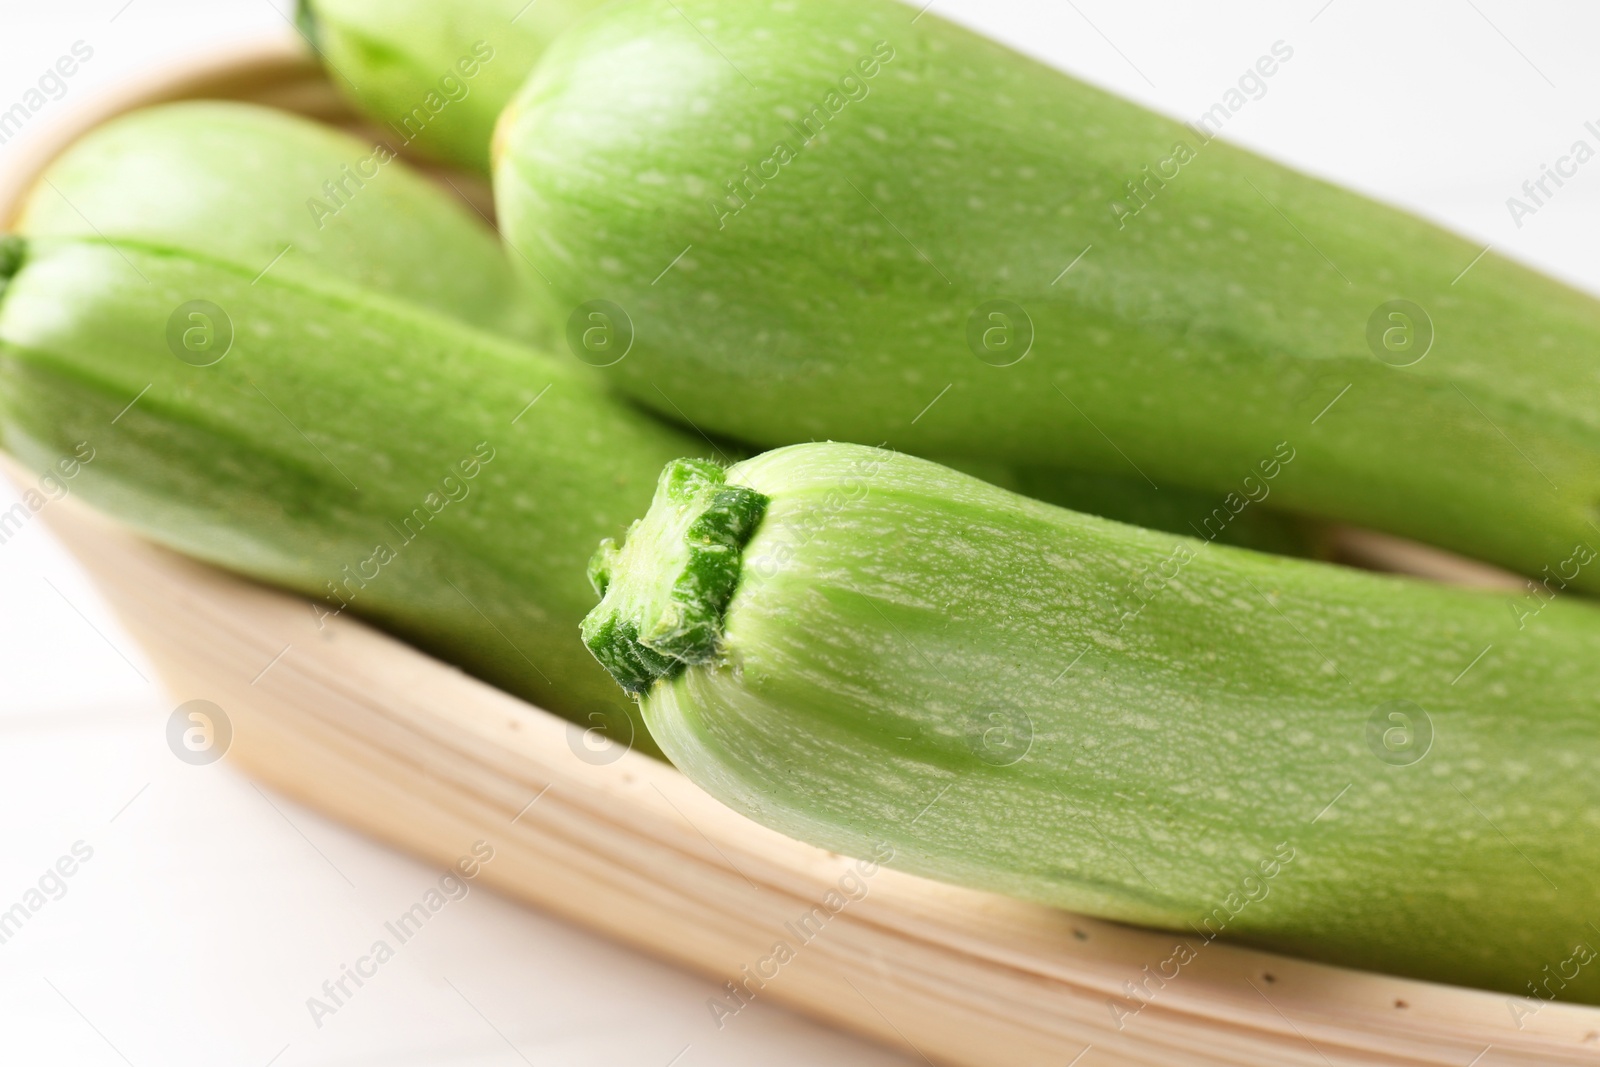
x=212, y=909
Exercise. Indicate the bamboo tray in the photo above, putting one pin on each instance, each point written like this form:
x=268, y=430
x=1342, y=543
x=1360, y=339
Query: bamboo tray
x=414, y=752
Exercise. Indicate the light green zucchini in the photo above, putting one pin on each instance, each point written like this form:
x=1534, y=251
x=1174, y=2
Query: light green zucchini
x=829, y=221
x=435, y=73
x=269, y=192
x=855, y=646
x=326, y=422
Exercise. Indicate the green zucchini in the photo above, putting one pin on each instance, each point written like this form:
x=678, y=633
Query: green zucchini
x=275, y=193
x=854, y=646
x=330, y=424
x=435, y=73
x=829, y=221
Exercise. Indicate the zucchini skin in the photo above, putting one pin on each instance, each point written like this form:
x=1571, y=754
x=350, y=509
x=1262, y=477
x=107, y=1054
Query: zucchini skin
x=435, y=73
x=835, y=303
x=355, y=339
x=988, y=684
x=1174, y=509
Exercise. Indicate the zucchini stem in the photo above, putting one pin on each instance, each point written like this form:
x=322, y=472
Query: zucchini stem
x=665, y=590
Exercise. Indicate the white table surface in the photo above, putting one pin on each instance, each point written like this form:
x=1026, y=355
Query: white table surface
x=211, y=909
